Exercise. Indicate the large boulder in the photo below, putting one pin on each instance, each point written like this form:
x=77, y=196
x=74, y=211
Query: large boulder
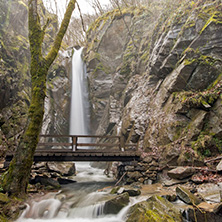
x=186, y=196
x=63, y=168
x=181, y=172
x=115, y=204
x=156, y=209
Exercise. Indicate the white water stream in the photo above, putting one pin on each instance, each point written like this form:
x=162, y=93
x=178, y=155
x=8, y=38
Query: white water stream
x=82, y=201
x=79, y=113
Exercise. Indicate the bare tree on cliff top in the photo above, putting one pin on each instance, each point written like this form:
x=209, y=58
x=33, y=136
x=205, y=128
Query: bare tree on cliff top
x=16, y=179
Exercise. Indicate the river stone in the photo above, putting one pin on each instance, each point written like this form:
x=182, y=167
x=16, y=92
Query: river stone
x=65, y=181
x=115, y=190
x=155, y=209
x=134, y=175
x=133, y=192
x=65, y=169
x=114, y=205
x=46, y=181
x=186, y=196
x=147, y=159
x=181, y=172
x=219, y=166
x=210, y=212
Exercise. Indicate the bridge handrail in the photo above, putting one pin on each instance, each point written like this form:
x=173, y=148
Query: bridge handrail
x=86, y=136
x=74, y=141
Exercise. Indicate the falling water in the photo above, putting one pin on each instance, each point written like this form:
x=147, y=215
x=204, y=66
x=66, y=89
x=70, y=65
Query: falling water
x=79, y=114
x=78, y=202
x=82, y=201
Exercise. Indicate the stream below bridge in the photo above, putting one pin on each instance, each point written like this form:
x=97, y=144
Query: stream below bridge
x=82, y=201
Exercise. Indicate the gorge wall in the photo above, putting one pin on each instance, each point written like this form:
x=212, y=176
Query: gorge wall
x=155, y=78
x=15, y=80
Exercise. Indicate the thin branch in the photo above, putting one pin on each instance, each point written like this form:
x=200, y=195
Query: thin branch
x=120, y=179
x=131, y=36
x=82, y=21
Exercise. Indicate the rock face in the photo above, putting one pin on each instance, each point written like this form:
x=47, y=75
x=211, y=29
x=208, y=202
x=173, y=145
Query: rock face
x=157, y=80
x=15, y=80
x=114, y=205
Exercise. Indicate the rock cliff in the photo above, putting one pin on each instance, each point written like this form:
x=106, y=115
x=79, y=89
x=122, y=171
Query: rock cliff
x=15, y=81
x=155, y=78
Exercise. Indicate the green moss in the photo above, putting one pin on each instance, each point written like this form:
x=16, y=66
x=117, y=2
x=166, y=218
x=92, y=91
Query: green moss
x=218, y=143
x=114, y=14
x=153, y=216
x=216, y=17
x=200, y=99
x=23, y=4
x=207, y=143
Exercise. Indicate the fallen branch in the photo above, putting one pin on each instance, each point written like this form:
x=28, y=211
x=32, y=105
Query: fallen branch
x=196, y=168
x=120, y=179
x=213, y=159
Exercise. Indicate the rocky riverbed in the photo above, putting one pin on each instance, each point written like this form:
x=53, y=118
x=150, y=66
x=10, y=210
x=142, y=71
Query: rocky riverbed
x=174, y=196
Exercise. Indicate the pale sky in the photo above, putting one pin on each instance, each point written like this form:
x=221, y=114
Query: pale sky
x=84, y=5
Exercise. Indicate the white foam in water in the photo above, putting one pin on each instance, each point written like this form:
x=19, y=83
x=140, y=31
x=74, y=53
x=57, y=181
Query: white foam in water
x=79, y=114
x=82, y=202
x=87, y=173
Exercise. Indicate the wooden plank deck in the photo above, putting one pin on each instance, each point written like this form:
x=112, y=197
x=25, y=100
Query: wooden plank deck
x=81, y=155
x=73, y=150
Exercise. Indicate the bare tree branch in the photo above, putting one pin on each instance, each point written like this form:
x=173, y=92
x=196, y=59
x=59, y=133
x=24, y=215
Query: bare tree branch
x=81, y=17
x=131, y=36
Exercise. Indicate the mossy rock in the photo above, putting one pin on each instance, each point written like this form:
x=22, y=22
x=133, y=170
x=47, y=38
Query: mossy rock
x=186, y=196
x=114, y=205
x=4, y=198
x=114, y=190
x=155, y=209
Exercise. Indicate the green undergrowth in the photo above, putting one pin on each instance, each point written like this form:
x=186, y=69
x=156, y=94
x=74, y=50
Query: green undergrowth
x=207, y=144
x=115, y=14
x=204, y=99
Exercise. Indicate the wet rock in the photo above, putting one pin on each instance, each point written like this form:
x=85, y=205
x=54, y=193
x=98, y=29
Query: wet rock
x=129, y=168
x=181, y=172
x=156, y=209
x=133, y=192
x=198, y=178
x=46, y=181
x=148, y=159
x=39, y=165
x=134, y=175
x=172, y=182
x=114, y=190
x=186, y=196
x=217, y=208
x=114, y=205
x=210, y=212
x=171, y=197
x=63, y=181
x=141, y=180
x=219, y=166
x=65, y=169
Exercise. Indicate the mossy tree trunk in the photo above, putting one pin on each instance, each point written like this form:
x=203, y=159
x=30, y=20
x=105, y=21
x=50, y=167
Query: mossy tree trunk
x=16, y=179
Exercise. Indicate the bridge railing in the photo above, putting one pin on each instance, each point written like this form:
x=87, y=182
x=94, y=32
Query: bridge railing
x=76, y=142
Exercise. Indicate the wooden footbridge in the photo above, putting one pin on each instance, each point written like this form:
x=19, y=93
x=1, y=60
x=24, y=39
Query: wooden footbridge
x=83, y=148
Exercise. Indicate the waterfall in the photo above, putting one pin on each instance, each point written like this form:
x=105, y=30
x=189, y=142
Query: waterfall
x=79, y=113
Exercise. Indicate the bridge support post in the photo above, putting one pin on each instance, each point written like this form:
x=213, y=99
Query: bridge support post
x=122, y=143
x=74, y=143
